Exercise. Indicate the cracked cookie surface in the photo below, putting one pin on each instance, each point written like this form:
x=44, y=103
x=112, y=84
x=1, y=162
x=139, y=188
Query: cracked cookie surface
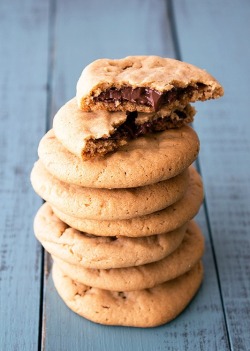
x=159, y=222
x=107, y=204
x=144, y=276
x=99, y=252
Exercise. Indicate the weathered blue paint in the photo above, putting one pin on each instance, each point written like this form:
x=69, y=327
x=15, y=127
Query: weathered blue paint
x=23, y=78
x=215, y=35
x=46, y=45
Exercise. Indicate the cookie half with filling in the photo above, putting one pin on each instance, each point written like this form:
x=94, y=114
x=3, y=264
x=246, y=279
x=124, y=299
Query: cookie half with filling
x=143, y=84
x=143, y=161
x=91, y=134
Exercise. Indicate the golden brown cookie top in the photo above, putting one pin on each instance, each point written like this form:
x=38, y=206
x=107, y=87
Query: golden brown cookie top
x=107, y=204
x=100, y=252
x=146, y=276
x=155, y=74
x=159, y=222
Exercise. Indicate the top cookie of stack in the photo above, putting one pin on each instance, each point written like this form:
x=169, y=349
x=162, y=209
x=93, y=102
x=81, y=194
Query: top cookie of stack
x=146, y=94
x=143, y=84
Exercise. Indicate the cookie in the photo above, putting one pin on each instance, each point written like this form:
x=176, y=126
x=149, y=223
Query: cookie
x=159, y=222
x=146, y=160
x=91, y=134
x=145, y=276
x=107, y=204
x=98, y=252
x=144, y=84
x=141, y=308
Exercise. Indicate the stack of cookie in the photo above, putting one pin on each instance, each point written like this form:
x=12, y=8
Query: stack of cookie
x=121, y=193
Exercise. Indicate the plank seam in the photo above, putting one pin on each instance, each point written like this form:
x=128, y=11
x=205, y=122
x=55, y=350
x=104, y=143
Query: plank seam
x=41, y=301
x=178, y=55
x=215, y=260
x=50, y=66
x=51, y=50
x=173, y=26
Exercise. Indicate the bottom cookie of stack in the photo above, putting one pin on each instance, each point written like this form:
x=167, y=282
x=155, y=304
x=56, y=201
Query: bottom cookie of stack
x=102, y=279
x=140, y=308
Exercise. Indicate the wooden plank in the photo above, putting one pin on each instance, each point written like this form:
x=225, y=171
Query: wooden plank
x=215, y=35
x=104, y=29
x=100, y=29
x=23, y=61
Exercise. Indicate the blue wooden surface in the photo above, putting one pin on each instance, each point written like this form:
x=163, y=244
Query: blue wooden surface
x=96, y=29
x=23, y=79
x=225, y=154
x=43, y=48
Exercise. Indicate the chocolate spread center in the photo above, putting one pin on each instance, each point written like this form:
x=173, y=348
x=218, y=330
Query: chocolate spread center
x=131, y=130
x=143, y=96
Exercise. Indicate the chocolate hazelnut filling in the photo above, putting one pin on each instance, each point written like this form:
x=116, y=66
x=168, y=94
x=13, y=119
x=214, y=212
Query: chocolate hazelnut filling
x=130, y=130
x=147, y=96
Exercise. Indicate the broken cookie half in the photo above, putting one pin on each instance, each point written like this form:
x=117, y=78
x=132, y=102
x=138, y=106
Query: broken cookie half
x=91, y=134
x=143, y=84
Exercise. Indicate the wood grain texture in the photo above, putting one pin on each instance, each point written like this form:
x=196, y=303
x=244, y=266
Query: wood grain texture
x=110, y=29
x=222, y=47
x=96, y=29
x=23, y=74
